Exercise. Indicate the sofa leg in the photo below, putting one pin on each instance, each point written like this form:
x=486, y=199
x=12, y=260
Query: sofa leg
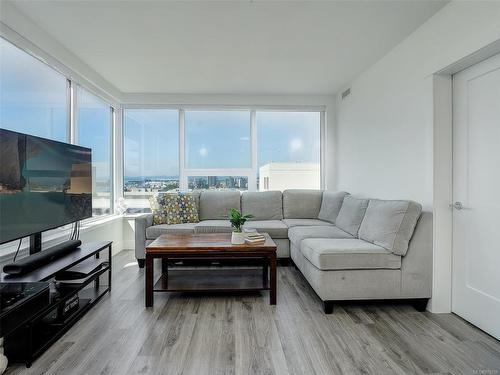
x=420, y=304
x=141, y=262
x=328, y=307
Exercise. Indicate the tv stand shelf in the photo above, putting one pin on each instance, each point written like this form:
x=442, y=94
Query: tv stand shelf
x=47, y=325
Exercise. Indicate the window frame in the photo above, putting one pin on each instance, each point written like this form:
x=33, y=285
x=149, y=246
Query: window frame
x=252, y=172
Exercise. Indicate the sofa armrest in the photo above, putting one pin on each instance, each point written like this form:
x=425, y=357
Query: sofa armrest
x=141, y=223
x=416, y=265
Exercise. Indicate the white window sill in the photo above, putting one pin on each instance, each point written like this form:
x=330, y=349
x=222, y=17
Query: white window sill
x=133, y=216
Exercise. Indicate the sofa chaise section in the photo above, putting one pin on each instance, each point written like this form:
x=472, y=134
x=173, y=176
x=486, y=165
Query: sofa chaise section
x=390, y=256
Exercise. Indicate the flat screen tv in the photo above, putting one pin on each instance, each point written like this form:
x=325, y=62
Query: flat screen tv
x=44, y=184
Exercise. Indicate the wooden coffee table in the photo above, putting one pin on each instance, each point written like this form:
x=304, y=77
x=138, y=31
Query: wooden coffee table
x=213, y=246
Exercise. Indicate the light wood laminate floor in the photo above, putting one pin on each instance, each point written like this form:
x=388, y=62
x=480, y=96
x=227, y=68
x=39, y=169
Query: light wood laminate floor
x=186, y=334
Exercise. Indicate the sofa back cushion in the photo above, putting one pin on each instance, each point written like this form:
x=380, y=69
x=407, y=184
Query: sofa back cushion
x=390, y=224
x=215, y=205
x=330, y=205
x=301, y=203
x=264, y=205
x=351, y=214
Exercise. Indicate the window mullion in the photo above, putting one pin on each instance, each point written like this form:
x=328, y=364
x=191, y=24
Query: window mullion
x=252, y=179
x=69, y=105
x=74, y=134
x=183, y=183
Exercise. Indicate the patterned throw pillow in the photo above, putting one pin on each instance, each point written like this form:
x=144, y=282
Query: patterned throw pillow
x=174, y=208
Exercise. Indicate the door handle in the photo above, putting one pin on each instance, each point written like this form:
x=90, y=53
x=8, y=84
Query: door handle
x=459, y=206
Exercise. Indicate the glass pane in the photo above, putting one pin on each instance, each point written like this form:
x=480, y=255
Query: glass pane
x=151, y=155
x=216, y=139
x=288, y=150
x=33, y=96
x=94, y=130
x=218, y=182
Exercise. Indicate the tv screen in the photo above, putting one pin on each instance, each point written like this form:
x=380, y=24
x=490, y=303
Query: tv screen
x=44, y=184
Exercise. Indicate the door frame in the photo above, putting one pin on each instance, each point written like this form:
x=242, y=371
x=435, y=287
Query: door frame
x=442, y=164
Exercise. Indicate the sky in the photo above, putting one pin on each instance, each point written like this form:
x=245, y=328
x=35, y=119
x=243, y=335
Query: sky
x=34, y=100
x=215, y=139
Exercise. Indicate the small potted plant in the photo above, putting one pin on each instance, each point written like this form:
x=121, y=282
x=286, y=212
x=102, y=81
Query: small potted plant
x=237, y=220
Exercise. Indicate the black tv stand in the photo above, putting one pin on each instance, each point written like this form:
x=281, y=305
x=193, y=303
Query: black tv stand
x=48, y=324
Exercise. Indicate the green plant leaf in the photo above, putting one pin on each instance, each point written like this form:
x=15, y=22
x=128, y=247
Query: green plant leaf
x=237, y=219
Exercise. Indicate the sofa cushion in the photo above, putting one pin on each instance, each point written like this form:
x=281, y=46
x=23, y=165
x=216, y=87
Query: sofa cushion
x=305, y=222
x=297, y=234
x=330, y=205
x=215, y=205
x=275, y=228
x=158, y=205
x=264, y=205
x=351, y=214
x=213, y=226
x=390, y=224
x=347, y=254
x=156, y=230
x=301, y=203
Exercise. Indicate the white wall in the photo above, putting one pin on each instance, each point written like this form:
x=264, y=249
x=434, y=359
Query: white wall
x=385, y=128
x=109, y=231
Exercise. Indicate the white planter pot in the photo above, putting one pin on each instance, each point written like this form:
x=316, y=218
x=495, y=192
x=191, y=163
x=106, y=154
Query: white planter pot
x=237, y=238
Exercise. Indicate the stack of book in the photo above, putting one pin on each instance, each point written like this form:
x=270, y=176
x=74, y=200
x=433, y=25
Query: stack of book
x=255, y=238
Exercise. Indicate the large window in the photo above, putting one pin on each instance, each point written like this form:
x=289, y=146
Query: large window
x=175, y=149
x=218, y=139
x=288, y=150
x=34, y=98
x=94, y=130
x=151, y=155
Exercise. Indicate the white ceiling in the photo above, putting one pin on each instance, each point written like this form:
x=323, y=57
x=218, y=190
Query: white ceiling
x=229, y=47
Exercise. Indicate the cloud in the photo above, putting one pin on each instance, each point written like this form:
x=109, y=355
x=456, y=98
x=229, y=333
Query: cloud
x=295, y=145
x=203, y=151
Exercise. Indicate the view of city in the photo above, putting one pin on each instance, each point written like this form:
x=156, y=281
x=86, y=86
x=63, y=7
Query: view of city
x=271, y=176
x=137, y=190
x=150, y=184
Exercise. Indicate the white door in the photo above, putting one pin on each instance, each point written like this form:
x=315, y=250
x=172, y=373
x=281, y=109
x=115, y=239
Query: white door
x=476, y=195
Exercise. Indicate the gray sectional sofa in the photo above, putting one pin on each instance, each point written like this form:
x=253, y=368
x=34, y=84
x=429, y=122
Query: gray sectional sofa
x=347, y=248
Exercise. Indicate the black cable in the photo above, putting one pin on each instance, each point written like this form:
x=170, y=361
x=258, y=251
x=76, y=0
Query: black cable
x=17, y=251
x=74, y=230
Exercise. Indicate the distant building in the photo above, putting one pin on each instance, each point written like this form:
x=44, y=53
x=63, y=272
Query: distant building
x=281, y=176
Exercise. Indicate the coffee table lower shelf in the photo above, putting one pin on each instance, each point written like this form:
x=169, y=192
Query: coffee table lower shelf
x=212, y=280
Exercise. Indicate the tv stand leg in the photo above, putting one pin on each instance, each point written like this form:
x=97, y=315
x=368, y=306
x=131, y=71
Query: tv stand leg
x=35, y=243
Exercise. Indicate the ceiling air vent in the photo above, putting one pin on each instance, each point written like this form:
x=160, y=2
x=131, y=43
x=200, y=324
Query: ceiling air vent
x=346, y=93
